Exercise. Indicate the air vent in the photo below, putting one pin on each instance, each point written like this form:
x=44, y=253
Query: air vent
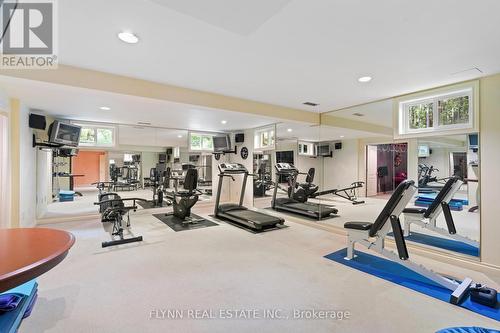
x=357, y=114
x=310, y=104
x=143, y=123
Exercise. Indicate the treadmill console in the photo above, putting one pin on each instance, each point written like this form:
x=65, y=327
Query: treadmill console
x=286, y=168
x=232, y=168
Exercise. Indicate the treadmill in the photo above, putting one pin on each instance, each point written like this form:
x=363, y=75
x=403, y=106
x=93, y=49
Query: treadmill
x=237, y=213
x=310, y=209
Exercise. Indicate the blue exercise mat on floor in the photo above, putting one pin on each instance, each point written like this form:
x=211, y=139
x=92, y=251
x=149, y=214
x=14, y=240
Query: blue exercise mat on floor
x=398, y=274
x=468, y=330
x=442, y=243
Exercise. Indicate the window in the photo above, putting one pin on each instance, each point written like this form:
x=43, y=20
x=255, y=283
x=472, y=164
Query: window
x=434, y=113
x=421, y=115
x=201, y=142
x=264, y=138
x=306, y=148
x=97, y=135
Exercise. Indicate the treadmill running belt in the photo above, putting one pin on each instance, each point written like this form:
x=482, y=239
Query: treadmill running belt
x=311, y=207
x=254, y=216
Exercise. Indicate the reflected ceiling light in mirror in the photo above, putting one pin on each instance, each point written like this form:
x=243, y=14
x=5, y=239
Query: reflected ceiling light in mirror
x=342, y=136
x=223, y=122
x=289, y=130
x=105, y=108
x=179, y=136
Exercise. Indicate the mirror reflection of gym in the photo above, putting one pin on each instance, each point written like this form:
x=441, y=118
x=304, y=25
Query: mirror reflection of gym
x=446, y=209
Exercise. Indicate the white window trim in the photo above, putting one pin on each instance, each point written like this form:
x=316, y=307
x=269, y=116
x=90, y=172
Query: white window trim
x=201, y=134
x=271, y=130
x=404, y=125
x=95, y=127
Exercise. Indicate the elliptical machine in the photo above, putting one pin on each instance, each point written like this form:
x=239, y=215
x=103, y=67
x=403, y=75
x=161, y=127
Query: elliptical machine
x=156, y=185
x=184, y=200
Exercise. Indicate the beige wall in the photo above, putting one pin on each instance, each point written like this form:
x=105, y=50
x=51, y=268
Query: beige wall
x=489, y=166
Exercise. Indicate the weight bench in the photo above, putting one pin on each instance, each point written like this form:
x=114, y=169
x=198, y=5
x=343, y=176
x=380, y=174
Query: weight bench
x=426, y=217
x=372, y=236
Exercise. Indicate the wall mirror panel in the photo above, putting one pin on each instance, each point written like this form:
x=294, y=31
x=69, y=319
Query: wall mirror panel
x=443, y=215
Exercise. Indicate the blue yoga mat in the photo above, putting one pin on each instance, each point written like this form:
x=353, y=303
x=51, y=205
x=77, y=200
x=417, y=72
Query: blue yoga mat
x=398, y=274
x=442, y=243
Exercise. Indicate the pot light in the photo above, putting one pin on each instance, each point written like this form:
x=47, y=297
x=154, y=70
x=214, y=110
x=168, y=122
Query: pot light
x=365, y=79
x=223, y=122
x=342, y=136
x=179, y=136
x=105, y=108
x=128, y=37
x=289, y=130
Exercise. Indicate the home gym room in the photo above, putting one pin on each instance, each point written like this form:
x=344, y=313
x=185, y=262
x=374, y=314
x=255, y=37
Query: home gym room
x=229, y=188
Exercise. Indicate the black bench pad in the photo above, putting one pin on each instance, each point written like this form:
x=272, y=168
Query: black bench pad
x=415, y=210
x=358, y=225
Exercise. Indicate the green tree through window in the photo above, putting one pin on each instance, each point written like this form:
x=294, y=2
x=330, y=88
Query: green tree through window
x=453, y=110
x=421, y=116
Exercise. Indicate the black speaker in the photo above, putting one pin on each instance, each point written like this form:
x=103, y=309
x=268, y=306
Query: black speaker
x=37, y=121
x=239, y=137
x=338, y=145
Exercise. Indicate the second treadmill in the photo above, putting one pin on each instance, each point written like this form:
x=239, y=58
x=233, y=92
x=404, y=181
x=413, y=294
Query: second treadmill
x=237, y=213
x=310, y=209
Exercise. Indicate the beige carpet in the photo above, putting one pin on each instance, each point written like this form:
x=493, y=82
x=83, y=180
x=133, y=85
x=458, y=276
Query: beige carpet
x=223, y=267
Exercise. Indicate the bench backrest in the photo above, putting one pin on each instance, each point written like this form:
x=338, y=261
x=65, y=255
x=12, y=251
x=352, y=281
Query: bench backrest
x=390, y=206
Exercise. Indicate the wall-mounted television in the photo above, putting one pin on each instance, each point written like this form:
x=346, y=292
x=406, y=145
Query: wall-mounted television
x=473, y=140
x=423, y=151
x=324, y=149
x=222, y=143
x=64, y=133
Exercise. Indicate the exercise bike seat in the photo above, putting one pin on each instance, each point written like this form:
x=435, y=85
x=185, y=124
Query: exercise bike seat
x=358, y=225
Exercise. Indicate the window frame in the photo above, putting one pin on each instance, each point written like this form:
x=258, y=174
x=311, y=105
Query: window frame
x=260, y=133
x=404, y=106
x=201, y=135
x=95, y=128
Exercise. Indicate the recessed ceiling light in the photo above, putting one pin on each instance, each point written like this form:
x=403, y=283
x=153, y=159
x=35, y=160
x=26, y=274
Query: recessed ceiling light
x=128, y=37
x=289, y=130
x=105, y=108
x=179, y=136
x=223, y=122
x=365, y=79
x=342, y=136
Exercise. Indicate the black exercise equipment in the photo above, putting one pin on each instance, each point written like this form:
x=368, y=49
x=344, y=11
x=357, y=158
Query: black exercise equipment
x=289, y=204
x=113, y=209
x=155, y=178
x=184, y=200
x=372, y=236
x=308, y=190
x=237, y=213
x=262, y=183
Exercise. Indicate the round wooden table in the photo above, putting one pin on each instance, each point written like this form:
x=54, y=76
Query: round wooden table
x=26, y=253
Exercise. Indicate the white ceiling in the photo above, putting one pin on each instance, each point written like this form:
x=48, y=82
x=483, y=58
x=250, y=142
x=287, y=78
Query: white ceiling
x=318, y=133
x=83, y=104
x=379, y=113
x=286, y=52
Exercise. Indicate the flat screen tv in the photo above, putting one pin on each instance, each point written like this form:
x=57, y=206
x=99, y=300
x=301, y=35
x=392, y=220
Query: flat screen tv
x=64, y=133
x=423, y=151
x=324, y=149
x=222, y=143
x=473, y=140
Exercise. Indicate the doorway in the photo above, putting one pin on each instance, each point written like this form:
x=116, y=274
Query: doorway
x=386, y=168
